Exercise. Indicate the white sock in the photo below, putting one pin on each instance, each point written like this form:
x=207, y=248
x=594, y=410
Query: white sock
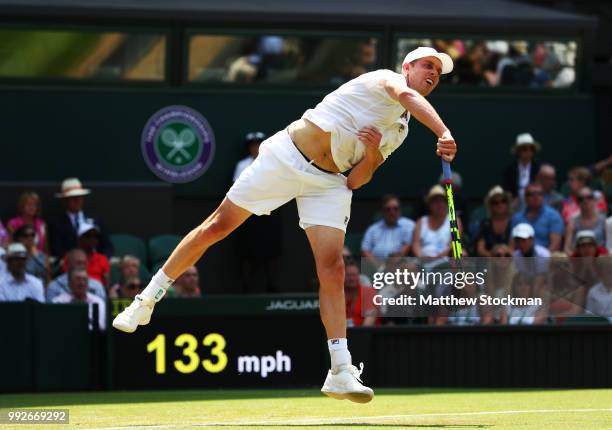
x=339, y=353
x=157, y=287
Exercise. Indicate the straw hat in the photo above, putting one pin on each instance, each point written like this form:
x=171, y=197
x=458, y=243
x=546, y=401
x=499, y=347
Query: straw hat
x=525, y=139
x=72, y=187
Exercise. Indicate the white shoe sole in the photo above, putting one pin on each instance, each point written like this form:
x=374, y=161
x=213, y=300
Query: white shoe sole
x=364, y=397
x=124, y=328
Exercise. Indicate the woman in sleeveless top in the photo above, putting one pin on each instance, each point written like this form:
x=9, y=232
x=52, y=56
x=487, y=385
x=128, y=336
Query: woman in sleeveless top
x=589, y=218
x=432, y=233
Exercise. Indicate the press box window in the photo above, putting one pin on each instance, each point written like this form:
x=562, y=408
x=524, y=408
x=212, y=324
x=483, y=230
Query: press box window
x=280, y=58
x=502, y=63
x=108, y=56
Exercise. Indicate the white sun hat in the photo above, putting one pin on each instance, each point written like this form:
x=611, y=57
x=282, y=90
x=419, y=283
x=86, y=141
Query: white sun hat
x=425, y=51
x=72, y=187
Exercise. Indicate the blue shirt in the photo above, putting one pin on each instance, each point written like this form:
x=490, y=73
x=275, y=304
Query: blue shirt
x=382, y=240
x=548, y=221
x=60, y=285
x=12, y=290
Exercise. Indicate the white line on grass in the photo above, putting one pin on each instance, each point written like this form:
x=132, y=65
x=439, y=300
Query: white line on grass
x=290, y=422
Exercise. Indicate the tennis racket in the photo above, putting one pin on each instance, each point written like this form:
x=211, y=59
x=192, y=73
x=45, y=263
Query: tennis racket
x=454, y=227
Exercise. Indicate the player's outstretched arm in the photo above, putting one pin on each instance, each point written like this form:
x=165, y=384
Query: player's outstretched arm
x=425, y=113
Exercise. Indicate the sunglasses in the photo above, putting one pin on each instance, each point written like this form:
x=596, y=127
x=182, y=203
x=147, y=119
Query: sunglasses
x=497, y=202
x=534, y=193
x=391, y=208
x=506, y=254
x=134, y=286
x=581, y=199
x=29, y=234
x=256, y=135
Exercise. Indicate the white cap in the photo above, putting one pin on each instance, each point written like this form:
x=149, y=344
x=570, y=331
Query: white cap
x=424, y=51
x=523, y=231
x=586, y=236
x=526, y=139
x=16, y=250
x=72, y=187
x=86, y=226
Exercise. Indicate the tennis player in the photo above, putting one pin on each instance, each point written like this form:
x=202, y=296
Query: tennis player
x=355, y=127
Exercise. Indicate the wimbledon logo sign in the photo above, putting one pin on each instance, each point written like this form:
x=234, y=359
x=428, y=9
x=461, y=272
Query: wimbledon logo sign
x=178, y=144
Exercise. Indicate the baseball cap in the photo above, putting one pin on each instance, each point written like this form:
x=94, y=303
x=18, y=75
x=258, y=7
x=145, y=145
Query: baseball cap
x=523, y=231
x=84, y=227
x=255, y=136
x=425, y=51
x=16, y=250
x=586, y=236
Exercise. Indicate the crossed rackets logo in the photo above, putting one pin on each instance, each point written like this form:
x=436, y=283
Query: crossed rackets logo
x=178, y=143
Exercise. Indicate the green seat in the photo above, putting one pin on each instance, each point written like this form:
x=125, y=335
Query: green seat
x=160, y=247
x=125, y=244
x=353, y=242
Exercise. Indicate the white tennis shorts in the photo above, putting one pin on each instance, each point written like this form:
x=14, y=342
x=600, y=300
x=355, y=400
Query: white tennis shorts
x=281, y=173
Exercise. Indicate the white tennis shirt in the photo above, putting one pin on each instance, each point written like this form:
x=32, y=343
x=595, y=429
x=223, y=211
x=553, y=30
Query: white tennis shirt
x=361, y=102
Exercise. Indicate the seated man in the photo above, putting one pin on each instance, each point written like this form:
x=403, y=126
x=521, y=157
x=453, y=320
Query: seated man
x=16, y=285
x=529, y=258
x=75, y=258
x=187, y=286
x=391, y=235
x=546, y=222
x=77, y=282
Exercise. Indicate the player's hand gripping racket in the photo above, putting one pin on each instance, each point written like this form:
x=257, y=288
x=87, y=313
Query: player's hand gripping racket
x=454, y=227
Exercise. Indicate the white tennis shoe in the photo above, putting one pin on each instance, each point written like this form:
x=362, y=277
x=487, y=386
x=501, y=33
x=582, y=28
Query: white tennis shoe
x=137, y=313
x=345, y=383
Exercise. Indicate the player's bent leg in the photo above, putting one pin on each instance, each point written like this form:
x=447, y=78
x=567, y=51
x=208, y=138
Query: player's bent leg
x=343, y=379
x=225, y=219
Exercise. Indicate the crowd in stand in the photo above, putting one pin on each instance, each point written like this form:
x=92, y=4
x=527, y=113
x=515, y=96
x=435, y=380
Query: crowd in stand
x=556, y=244
x=68, y=259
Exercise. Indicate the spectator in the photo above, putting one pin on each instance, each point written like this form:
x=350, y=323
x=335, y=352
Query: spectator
x=584, y=256
x=529, y=258
x=37, y=263
x=28, y=212
x=391, y=235
x=187, y=286
x=566, y=292
x=253, y=141
x=64, y=230
x=258, y=241
x=78, y=284
x=129, y=267
x=128, y=288
x=589, y=218
x=468, y=314
x=524, y=286
x=522, y=171
x=547, y=177
x=578, y=178
x=545, y=220
x=431, y=236
x=495, y=228
x=98, y=266
x=75, y=258
x=16, y=285
x=360, y=307
x=599, y=297
x=609, y=234
x=4, y=236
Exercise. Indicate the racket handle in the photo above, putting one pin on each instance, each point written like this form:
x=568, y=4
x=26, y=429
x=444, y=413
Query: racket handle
x=446, y=170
